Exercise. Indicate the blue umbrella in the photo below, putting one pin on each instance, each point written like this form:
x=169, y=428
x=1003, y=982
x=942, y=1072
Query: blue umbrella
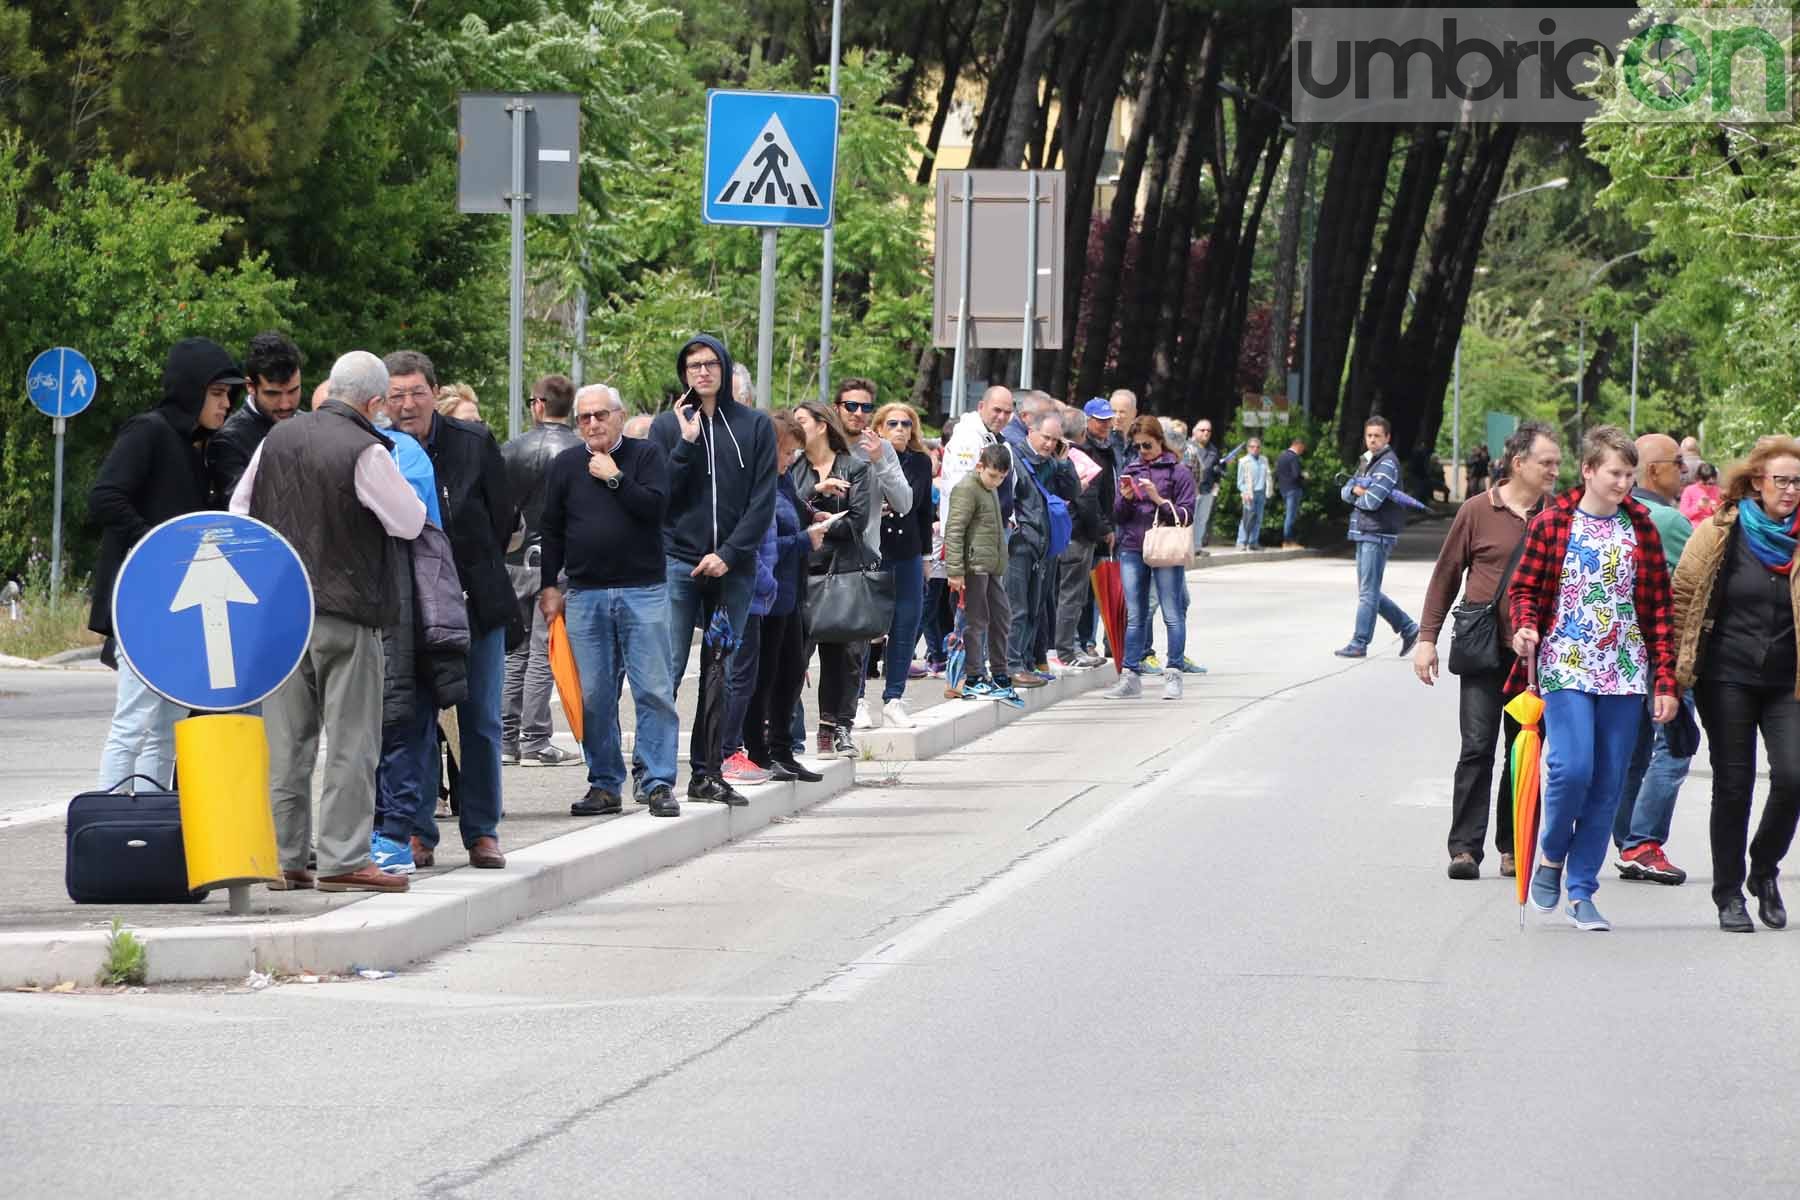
x=956, y=658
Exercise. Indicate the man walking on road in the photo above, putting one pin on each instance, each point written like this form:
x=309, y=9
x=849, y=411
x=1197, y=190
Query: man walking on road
x=1290, y=481
x=272, y=368
x=1654, y=778
x=327, y=482
x=721, y=457
x=525, y=724
x=599, y=499
x=1375, y=525
x=479, y=516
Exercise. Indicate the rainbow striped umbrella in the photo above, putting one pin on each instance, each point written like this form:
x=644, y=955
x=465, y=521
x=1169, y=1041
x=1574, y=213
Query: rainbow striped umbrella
x=1527, y=708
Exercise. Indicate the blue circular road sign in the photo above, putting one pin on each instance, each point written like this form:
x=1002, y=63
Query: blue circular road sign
x=61, y=382
x=213, y=611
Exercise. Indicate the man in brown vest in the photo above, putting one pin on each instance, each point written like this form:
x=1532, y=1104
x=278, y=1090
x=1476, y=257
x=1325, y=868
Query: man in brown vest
x=327, y=482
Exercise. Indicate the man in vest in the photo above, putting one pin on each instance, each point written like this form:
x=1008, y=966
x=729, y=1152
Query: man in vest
x=326, y=480
x=1375, y=525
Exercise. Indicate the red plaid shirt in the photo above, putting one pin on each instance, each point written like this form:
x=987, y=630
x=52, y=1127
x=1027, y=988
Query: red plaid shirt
x=1531, y=599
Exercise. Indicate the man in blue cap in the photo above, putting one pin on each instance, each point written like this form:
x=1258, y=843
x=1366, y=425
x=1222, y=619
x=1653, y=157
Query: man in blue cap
x=1092, y=539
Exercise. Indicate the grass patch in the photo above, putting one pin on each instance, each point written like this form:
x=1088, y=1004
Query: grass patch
x=127, y=958
x=44, y=629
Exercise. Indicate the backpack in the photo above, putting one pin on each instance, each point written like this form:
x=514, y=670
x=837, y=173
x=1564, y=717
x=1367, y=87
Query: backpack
x=1061, y=522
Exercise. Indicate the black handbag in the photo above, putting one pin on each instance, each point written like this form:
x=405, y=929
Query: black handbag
x=850, y=606
x=1475, y=628
x=127, y=849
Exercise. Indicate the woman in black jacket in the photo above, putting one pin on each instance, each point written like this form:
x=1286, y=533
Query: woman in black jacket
x=831, y=479
x=904, y=541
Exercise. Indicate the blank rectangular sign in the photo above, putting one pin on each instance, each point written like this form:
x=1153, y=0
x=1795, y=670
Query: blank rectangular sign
x=997, y=278
x=484, y=151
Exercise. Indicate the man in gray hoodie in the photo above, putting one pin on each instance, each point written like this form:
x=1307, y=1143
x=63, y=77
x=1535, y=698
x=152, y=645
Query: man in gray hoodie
x=893, y=495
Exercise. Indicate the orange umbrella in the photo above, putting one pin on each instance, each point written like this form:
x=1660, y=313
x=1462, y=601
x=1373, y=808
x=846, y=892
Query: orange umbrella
x=568, y=679
x=1527, y=708
x=1109, y=600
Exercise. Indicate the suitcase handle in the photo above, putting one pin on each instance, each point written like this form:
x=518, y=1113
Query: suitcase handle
x=129, y=778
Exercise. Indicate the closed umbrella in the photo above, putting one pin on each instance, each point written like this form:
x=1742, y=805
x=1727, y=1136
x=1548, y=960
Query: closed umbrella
x=956, y=656
x=1527, y=708
x=568, y=678
x=716, y=646
x=1109, y=601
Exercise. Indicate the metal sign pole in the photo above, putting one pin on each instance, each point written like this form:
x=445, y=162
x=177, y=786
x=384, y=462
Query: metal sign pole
x=765, y=326
x=515, y=351
x=575, y=356
x=959, y=385
x=1634, y=366
x=60, y=425
x=827, y=273
x=1580, y=373
x=1028, y=338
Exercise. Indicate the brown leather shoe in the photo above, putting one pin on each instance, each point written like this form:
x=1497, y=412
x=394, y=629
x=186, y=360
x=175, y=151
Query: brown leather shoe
x=485, y=853
x=367, y=878
x=1509, y=866
x=292, y=881
x=423, y=855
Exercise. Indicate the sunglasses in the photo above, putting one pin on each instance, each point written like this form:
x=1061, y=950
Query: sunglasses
x=856, y=406
x=898, y=424
x=1148, y=446
x=584, y=418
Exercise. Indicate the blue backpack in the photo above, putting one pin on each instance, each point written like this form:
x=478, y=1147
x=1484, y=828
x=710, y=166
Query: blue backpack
x=1062, y=522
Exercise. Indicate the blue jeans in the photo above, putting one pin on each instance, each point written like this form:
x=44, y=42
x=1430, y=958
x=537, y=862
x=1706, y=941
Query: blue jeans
x=141, y=740
x=406, y=778
x=1292, y=520
x=903, y=632
x=1250, y=524
x=690, y=599
x=1025, y=597
x=478, y=722
x=1652, y=782
x=610, y=629
x=1371, y=565
x=1588, y=748
x=740, y=681
x=1171, y=597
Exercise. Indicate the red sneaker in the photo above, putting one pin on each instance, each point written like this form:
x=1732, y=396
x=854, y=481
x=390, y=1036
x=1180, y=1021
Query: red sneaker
x=1646, y=861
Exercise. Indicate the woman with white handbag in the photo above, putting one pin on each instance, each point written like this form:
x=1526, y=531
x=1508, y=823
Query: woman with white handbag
x=1154, y=512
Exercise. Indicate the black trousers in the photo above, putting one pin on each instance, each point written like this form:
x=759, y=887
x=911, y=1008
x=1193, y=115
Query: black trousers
x=1733, y=715
x=780, y=674
x=840, y=678
x=1482, y=720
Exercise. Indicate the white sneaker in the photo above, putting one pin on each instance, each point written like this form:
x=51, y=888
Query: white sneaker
x=1171, y=685
x=866, y=716
x=895, y=714
x=1128, y=687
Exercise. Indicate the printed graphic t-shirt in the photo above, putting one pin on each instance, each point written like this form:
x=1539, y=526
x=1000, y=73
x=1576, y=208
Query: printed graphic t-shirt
x=1595, y=646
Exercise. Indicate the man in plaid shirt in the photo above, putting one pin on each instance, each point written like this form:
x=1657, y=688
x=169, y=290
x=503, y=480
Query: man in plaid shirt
x=1594, y=624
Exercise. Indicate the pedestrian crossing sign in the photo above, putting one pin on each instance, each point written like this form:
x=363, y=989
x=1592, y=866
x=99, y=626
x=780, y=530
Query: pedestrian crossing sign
x=771, y=159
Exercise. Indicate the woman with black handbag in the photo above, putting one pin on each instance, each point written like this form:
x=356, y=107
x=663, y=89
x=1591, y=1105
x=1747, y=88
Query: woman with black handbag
x=834, y=482
x=1478, y=558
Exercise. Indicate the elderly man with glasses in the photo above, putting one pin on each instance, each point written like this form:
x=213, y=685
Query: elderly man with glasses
x=599, y=498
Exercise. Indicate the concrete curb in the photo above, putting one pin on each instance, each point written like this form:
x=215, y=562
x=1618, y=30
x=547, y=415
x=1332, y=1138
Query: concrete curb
x=10, y=663
x=438, y=913
x=79, y=654
x=944, y=727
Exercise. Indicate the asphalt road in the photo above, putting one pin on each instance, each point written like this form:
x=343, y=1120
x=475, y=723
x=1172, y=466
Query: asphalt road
x=1204, y=948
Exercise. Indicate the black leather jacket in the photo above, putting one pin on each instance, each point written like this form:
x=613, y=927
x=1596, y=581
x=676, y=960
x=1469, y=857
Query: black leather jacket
x=527, y=462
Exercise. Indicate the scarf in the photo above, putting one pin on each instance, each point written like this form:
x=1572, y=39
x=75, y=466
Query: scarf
x=1773, y=542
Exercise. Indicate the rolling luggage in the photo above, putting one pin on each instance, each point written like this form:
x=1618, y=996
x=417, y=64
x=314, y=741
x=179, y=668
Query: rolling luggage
x=127, y=849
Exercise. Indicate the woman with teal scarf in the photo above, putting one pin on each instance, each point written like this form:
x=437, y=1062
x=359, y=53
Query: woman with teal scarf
x=1737, y=618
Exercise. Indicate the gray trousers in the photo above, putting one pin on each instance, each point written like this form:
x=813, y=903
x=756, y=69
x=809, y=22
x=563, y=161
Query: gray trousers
x=1072, y=590
x=525, y=699
x=338, y=683
x=1203, y=508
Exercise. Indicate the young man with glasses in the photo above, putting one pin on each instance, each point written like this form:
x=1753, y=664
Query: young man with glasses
x=525, y=726
x=721, y=458
x=893, y=494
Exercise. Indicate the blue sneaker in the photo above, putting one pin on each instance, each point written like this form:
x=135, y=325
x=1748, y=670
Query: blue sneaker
x=1190, y=667
x=977, y=689
x=394, y=858
x=1352, y=651
x=1007, y=695
x=1546, y=888
x=1583, y=915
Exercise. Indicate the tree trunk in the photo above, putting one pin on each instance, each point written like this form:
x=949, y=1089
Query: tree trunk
x=1354, y=185
x=996, y=106
x=956, y=48
x=1141, y=293
x=1124, y=211
x=1175, y=232
x=1287, y=256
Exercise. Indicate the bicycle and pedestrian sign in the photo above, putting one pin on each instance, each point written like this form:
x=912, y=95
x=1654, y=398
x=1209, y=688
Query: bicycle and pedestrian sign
x=61, y=382
x=771, y=159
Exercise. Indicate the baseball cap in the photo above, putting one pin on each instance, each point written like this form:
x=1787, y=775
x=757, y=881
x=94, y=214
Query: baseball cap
x=1099, y=409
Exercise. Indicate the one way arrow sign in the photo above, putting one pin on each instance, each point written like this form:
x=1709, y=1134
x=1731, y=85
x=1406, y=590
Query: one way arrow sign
x=212, y=586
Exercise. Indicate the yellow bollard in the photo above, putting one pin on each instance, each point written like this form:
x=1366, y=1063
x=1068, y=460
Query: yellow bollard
x=227, y=828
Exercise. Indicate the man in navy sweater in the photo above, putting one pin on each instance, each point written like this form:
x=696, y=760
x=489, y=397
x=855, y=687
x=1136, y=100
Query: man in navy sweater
x=600, y=498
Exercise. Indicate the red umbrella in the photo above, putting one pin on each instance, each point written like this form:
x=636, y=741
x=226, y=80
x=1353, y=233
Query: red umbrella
x=1109, y=600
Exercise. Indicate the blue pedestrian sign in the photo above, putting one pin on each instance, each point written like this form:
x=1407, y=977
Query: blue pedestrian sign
x=213, y=611
x=61, y=382
x=771, y=159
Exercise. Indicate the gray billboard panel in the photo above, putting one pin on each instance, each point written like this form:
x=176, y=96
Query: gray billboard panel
x=997, y=262
x=484, y=151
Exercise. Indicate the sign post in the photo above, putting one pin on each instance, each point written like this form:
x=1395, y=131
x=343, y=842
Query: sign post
x=827, y=284
x=214, y=612
x=61, y=382
x=518, y=154
x=771, y=160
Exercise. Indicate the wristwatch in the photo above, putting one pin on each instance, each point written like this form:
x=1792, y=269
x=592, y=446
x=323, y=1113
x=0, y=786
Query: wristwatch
x=613, y=481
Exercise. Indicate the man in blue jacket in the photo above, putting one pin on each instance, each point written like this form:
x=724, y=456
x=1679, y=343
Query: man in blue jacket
x=1375, y=525
x=721, y=499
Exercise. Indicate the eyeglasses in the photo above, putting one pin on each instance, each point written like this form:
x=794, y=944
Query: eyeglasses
x=537, y=400
x=704, y=364
x=856, y=406
x=413, y=394
x=1785, y=483
x=584, y=418
x=898, y=424
x=1147, y=446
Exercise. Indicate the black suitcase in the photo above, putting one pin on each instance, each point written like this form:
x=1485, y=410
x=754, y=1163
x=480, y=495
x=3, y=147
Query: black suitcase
x=126, y=849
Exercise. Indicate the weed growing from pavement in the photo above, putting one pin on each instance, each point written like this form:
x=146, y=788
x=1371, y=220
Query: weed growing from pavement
x=127, y=958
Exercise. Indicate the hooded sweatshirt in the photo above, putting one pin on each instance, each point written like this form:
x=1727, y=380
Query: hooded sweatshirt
x=156, y=468
x=721, y=484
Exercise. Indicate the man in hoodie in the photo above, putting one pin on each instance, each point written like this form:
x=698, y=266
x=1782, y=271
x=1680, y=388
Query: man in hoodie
x=155, y=470
x=272, y=367
x=856, y=409
x=721, y=458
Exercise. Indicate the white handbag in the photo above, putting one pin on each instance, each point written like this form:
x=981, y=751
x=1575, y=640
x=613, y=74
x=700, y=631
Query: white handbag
x=1169, y=545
